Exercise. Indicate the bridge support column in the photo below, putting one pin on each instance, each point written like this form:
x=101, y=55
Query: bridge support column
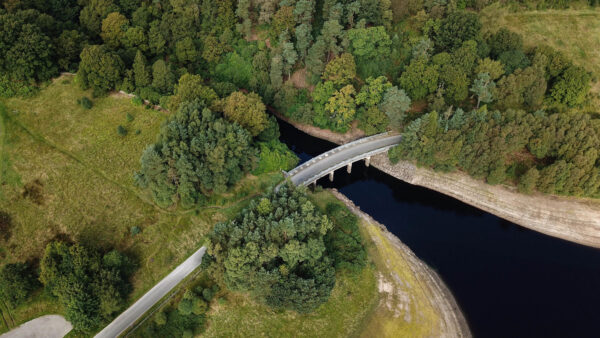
x=368, y=161
x=349, y=168
x=331, y=176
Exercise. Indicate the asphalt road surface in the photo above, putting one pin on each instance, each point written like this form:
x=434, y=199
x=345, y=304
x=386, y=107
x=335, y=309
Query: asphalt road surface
x=135, y=311
x=306, y=175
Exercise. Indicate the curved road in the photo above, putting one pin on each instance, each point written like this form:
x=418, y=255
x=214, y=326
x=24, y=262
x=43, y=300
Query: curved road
x=341, y=156
x=135, y=312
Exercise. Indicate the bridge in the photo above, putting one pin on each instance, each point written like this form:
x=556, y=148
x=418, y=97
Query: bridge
x=343, y=156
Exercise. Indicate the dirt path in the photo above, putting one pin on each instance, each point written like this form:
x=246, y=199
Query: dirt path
x=50, y=326
x=452, y=322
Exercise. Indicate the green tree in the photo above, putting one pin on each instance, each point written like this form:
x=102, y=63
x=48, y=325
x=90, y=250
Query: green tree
x=341, y=107
x=494, y=68
x=197, y=152
x=522, y=89
x=190, y=88
x=527, y=181
x=340, y=70
x=140, y=71
x=513, y=59
x=99, y=69
x=303, y=39
x=243, y=12
x=331, y=35
x=372, y=92
x=571, y=87
x=372, y=120
x=282, y=21
x=163, y=78
x=185, y=50
x=276, y=71
x=369, y=42
x=71, y=44
x=290, y=56
x=17, y=281
x=395, y=104
x=113, y=29
x=419, y=79
x=483, y=87
x=247, y=110
x=279, y=257
x=504, y=40
x=93, y=13
x=456, y=28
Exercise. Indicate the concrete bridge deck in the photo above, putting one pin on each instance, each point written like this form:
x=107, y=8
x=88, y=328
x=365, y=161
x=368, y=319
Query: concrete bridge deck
x=342, y=156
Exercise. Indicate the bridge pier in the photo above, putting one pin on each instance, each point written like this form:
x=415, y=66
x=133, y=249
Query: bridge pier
x=368, y=161
x=349, y=168
x=331, y=176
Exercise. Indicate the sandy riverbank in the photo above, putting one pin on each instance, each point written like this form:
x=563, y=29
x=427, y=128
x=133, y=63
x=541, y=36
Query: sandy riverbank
x=451, y=321
x=572, y=219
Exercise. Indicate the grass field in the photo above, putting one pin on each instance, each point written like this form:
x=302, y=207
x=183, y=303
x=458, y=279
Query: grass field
x=67, y=173
x=575, y=32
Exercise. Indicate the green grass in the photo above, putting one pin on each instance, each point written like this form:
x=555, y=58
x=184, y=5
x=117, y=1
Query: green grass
x=84, y=171
x=575, y=32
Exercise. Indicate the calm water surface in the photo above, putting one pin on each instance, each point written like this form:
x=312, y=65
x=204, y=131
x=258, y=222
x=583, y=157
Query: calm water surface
x=509, y=281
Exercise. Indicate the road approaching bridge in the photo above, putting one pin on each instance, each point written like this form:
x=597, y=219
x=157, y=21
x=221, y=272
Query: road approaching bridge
x=342, y=156
x=135, y=311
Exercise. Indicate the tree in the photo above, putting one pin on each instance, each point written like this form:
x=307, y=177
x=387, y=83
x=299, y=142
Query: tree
x=395, y=104
x=91, y=286
x=456, y=83
x=571, y=87
x=280, y=256
x=419, y=79
x=314, y=59
x=372, y=120
x=483, y=87
x=527, y=181
x=185, y=50
x=503, y=41
x=283, y=21
x=369, y=42
x=99, y=69
x=331, y=35
x=267, y=8
x=340, y=70
x=17, y=281
x=243, y=12
x=247, y=110
x=197, y=152
x=163, y=78
x=303, y=12
x=276, y=71
x=303, y=39
x=190, y=88
x=290, y=56
x=71, y=44
x=371, y=93
x=494, y=68
x=140, y=70
x=513, y=59
x=135, y=38
x=522, y=89
x=341, y=107
x=456, y=28
x=113, y=29
x=93, y=13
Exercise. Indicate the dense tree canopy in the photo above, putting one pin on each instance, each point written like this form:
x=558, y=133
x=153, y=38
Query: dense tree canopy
x=91, y=286
x=17, y=281
x=197, y=152
x=276, y=251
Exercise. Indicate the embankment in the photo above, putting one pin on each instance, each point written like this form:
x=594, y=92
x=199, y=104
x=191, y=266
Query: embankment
x=572, y=219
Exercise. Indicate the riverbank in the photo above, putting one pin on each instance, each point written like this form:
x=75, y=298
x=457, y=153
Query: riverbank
x=569, y=218
x=396, y=288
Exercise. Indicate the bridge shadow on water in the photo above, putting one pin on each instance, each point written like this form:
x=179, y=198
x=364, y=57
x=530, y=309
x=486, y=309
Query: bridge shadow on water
x=508, y=280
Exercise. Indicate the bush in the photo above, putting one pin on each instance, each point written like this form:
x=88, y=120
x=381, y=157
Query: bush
x=137, y=101
x=135, y=230
x=160, y=318
x=129, y=117
x=528, y=181
x=275, y=156
x=85, y=102
x=17, y=281
x=121, y=131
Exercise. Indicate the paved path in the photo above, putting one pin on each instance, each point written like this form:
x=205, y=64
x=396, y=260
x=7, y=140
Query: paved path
x=50, y=326
x=341, y=156
x=135, y=311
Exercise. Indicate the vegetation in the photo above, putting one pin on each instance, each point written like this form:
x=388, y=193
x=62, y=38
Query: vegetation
x=17, y=281
x=91, y=286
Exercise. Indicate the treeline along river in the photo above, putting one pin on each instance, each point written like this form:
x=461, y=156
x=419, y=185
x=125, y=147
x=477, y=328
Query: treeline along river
x=509, y=281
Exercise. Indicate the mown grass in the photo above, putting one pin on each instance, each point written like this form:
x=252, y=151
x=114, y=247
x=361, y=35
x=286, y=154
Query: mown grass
x=82, y=171
x=575, y=32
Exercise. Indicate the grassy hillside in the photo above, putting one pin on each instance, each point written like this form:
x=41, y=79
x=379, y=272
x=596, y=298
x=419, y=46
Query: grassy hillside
x=67, y=173
x=575, y=32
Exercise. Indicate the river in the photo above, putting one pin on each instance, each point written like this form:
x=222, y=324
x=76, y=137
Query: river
x=509, y=281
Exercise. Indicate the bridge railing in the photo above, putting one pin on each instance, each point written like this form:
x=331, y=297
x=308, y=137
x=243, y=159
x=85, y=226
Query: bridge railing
x=333, y=151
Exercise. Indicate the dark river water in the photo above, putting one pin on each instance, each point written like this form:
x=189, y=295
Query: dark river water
x=509, y=281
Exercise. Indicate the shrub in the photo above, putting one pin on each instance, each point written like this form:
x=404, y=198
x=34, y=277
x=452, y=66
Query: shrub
x=528, y=181
x=160, y=318
x=135, y=230
x=129, y=117
x=137, y=101
x=85, y=102
x=275, y=156
x=121, y=131
x=17, y=281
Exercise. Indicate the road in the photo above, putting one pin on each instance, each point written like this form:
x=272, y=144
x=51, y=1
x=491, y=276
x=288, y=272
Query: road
x=135, y=311
x=340, y=157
